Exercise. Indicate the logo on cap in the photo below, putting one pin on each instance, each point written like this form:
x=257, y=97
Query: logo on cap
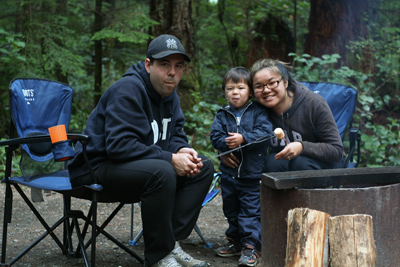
x=171, y=44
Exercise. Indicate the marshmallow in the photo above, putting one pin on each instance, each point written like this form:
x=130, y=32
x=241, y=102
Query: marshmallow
x=279, y=133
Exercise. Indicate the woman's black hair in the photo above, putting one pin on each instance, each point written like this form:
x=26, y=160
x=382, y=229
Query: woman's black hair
x=236, y=75
x=279, y=67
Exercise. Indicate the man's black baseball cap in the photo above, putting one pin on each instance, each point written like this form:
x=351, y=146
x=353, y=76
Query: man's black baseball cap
x=165, y=45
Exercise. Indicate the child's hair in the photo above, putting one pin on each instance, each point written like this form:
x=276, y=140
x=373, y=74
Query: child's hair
x=236, y=75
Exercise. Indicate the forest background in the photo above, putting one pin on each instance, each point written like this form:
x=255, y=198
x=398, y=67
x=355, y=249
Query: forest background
x=90, y=44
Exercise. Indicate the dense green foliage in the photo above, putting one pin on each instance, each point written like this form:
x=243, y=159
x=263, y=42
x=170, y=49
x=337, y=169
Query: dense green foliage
x=55, y=39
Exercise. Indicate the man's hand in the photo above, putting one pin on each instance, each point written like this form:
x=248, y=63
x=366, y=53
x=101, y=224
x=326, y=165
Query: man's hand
x=234, y=141
x=186, y=162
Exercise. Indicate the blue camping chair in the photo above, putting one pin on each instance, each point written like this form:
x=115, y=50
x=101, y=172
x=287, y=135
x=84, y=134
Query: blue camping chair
x=36, y=105
x=342, y=100
x=212, y=193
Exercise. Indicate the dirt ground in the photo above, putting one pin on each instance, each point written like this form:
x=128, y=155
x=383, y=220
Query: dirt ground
x=25, y=228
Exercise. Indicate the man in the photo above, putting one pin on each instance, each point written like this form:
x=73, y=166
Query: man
x=139, y=152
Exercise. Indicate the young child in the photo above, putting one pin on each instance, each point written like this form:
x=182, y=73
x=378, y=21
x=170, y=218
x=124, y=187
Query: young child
x=239, y=123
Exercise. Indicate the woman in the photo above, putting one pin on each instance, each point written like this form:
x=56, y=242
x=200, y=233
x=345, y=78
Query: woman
x=312, y=140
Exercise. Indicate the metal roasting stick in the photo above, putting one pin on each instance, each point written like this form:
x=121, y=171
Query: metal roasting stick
x=261, y=139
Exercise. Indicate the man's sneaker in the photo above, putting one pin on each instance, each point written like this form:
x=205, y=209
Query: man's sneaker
x=185, y=259
x=249, y=257
x=230, y=250
x=168, y=261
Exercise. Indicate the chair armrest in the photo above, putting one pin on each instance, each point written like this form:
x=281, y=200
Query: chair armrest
x=26, y=140
x=78, y=137
x=40, y=139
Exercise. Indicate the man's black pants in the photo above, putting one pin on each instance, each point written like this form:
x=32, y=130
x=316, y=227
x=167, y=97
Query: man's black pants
x=170, y=204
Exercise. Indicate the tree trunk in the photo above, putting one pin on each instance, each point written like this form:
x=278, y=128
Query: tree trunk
x=98, y=53
x=307, y=238
x=351, y=241
x=333, y=24
x=273, y=40
x=61, y=8
x=232, y=43
x=175, y=17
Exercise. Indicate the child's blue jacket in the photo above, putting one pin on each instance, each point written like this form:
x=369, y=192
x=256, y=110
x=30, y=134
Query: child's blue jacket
x=255, y=126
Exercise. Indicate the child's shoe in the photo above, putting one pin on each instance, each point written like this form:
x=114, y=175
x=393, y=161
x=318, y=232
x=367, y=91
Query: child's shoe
x=231, y=249
x=249, y=256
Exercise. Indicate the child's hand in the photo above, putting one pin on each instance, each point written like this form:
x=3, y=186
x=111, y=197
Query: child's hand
x=234, y=141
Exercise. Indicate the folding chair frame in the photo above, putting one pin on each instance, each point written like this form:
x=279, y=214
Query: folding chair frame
x=70, y=217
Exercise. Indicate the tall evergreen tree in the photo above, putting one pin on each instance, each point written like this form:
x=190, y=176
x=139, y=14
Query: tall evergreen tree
x=333, y=24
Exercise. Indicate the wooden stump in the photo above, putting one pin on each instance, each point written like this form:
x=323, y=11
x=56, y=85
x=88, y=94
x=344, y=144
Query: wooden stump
x=307, y=239
x=351, y=241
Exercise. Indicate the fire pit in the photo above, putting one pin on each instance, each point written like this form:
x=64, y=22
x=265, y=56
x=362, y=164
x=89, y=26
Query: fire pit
x=373, y=191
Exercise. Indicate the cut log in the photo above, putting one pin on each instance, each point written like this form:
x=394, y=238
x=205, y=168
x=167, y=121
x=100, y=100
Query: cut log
x=307, y=238
x=351, y=241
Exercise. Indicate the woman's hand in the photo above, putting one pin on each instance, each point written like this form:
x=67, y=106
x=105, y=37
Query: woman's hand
x=230, y=160
x=291, y=151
